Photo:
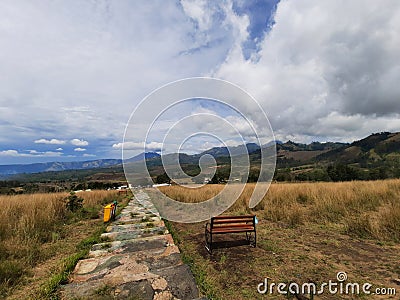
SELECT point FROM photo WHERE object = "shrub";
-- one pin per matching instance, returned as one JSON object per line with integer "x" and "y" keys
{"x": 73, "y": 202}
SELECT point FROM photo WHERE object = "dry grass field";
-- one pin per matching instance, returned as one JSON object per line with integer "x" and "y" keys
{"x": 37, "y": 231}
{"x": 307, "y": 233}
{"x": 362, "y": 208}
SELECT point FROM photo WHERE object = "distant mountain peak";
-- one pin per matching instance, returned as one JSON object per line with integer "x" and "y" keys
{"x": 57, "y": 166}
{"x": 233, "y": 150}
{"x": 143, "y": 156}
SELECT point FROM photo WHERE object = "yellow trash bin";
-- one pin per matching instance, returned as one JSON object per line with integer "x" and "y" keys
{"x": 108, "y": 209}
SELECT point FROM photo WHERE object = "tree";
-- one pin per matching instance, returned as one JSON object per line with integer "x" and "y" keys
{"x": 340, "y": 172}
{"x": 163, "y": 178}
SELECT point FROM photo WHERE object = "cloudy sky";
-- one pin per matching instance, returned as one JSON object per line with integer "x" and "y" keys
{"x": 71, "y": 72}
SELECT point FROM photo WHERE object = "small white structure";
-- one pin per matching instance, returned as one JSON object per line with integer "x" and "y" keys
{"x": 161, "y": 184}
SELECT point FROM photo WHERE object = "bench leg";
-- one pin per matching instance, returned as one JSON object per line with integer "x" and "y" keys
{"x": 251, "y": 238}
{"x": 208, "y": 238}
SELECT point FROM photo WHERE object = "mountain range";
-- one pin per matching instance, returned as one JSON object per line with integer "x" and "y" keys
{"x": 377, "y": 150}
{"x": 63, "y": 166}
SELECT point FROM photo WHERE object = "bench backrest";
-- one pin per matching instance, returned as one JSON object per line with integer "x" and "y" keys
{"x": 232, "y": 220}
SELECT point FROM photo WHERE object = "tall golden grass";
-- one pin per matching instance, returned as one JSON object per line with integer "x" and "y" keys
{"x": 369, "y": 209}
{"x": 29, "y": 221}
{"x": 32, "y": 216}
{"x": 27, "y": 217}
{"x": 97, "y": 197}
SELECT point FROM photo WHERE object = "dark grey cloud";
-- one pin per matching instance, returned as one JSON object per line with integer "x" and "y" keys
{"x": 327, "y": 69}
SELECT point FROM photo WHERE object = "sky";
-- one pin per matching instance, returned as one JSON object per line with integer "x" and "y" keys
{"x": 72, "y": 72}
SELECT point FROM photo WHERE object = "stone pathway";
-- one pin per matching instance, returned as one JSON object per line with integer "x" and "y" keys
{"x": 140, "y": 261}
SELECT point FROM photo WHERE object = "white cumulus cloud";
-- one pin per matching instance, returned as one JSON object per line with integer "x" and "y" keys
{"x": 30, "y": 153}
{"x": 50, "y": 142}
{"x": 152, "y": 146}
{"x": 78, "y": 142}
{"x": 9, "y": 153}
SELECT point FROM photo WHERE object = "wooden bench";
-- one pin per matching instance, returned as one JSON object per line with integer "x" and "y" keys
{"x": 231, "y": 224}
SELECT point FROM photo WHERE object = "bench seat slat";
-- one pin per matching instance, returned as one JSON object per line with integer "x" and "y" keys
{"x": 232, "y": 221}
{"x": 242, "y": 229}
{"x": 231, "y": 230}
{"x": 233, "y": 217}
{"x": 234, "y": 225}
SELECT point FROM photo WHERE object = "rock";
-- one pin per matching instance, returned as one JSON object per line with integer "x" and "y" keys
{"x": 159, "y": 284}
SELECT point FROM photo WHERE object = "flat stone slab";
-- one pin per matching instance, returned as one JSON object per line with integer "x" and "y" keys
{"x": 121, "y": 268}
{"x": 134, "y": 226}
{"x": 128, "y": 219}
{"x": 148, "y": 289}
{"x": 140, "y": 261}
{"x": 134, "y": 233}
{"x": 157, "y": 243}
{"x": 180, "y": 280}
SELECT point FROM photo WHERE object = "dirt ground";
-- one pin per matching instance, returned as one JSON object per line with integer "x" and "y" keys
{"x": 309, "y": 253}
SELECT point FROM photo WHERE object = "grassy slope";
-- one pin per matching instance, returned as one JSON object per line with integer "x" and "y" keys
{"x": 41, "y": 240}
